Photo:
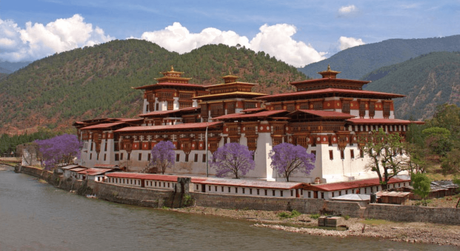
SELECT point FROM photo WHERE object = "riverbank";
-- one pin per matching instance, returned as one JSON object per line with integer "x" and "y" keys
{"x": 416, "y": 232}
{"x": 413, "y": 232}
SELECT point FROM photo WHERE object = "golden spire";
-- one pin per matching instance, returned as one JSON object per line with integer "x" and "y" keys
{"x": 172, "y": 68}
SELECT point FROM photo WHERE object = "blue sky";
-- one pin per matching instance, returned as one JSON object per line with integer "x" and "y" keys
{"x": 297, "y": 32}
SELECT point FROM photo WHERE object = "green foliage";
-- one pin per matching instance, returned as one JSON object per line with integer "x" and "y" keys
{"x": 421, "y": 184}
{"x": 315, "y": 216}
{"x": 292, "y": 214}
{"x": 96, "y": 81}
{"x": 187, "y": 200}
{"x": 357, "y": 61}
{"x": 427, "y": 81}
{"x": 384, "y": 151}
{"x": 9, "y": 143}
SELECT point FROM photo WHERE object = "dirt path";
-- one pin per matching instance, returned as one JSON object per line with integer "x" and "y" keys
{"x": 396, "y": 231}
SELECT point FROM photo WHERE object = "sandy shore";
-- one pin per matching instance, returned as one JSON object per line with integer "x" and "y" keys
{"x": 396, "y": 231}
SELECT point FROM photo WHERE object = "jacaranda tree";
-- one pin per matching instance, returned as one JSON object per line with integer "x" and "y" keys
{"x": 59, "y": 150}
{"x": 232, "y": 159}
{"x": 163, "y": 155}
{"x": 288, "y": 159}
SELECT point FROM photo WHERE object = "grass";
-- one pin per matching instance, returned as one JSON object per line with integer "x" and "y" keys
{"x": 375, "y": 222}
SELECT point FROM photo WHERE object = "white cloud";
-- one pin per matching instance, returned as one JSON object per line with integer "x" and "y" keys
{"x": 275, "y": 40}
{"x": 348, "y": 42}
{"x": 179, "y": 39}
{"x": 36, "y": 41}
{"x": 346, "y": 11}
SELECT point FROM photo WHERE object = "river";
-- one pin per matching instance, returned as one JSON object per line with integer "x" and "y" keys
{"x": 37, "y": 216}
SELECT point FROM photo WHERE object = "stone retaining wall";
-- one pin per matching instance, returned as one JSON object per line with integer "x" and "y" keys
{"x": 306, "y": 206}
{"x": 159, "y": 198}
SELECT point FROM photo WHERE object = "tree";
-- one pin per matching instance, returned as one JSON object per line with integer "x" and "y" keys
{"x": 163, "y": 155}
{"x": 385, "y": 153}
{"x": 422, "y": 187}
{"x": 59, "y": 150}
{"x": 288, "y": 159}
{"x": 232, "y": 159}
{"x": 451, "y": 162}
{"x": 438, "y": 140}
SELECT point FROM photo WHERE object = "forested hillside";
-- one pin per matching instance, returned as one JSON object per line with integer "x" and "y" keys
{"x": 427, "y": 81}
{"x": 96, "y": 81}
{"x": 357, "y": 61}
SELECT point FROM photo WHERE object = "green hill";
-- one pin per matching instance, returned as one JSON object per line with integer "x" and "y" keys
{"x": 357, "y": 61}
{"x": 427, "y": 81}
{"x": 96, "y": 81}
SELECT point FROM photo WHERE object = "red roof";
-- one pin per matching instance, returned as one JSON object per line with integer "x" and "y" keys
{"x": 143, "y": 176}
{"x": 169, "y": 127}
{"x": 325, "y": 114}
{"x": 168, "y": 111}
{"x": 349, "y": 184}
{"x": 253, "y": 110}
{"x": 251, "y": 115}
{"x": 166, "y": 84}
{"x": 94, "y": 171}
{"x": 316, "y": 80}
{"x": 379, "y": 121}
{"x": 248, "y": 183}
{"x": 332, "y": 90}
{"x": 109, "y": 166}
{"x": 102, "y": 126}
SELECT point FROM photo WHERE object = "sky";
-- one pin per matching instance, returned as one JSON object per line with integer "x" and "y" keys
{"x": 298, "y": 32}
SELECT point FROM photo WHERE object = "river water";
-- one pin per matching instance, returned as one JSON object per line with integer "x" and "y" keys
{"x": 37, "y": 216}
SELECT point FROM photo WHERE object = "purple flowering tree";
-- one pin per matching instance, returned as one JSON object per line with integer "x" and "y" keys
{"x": 232, "y": 159}
{"x": 288, "y": 159}
{"x": 163, "y": 155}
{"x": 59, "y": 150}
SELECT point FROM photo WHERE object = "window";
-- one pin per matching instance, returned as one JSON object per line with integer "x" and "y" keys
{"x": 177, "y": 157}
{"x": 90, "y": 156}
{"x": 236, "y": 189}
{"x": 318, "y": 105}
{"x": 352, "y": 153}
{"x": 331, "y": 155}
{"x": 386, "y": 110}
{"x": 229, "y": 189}
{"x": 170, "y": 105}
{"x": 346, "y": 107}
{"x": 149, "y": 156}
{"x": 204, "y": 158}
{"x": 243, "y": 190}
{"x": 273, "y": 192}
{"x": 258, "y": 192}
{"x": 105, "y": 157}
{"x": 266, "y": 192}
{"x": 121, "y": 156}
{"x": 250, "y": 190}
{"x": 129, "y": 156}
{"x": 117, "y": 157}
{"x": 313, "y": 152}
{"x": 362, "y": 109}
{"x": 281, "y": 193}
{"x": 186, "y": 157}
{"x": 139, "y": 157}
{"x": 342, "y": 154}
{"x": 371, "y": 109}
{"x": 105, "y": 146}
{"x": 361, "y": 153}
{"x": 196, "y": 157}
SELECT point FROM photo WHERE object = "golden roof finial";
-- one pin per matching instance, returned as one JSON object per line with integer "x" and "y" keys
{"x": 328, "y": 67}
{"x": 172, "y": 68}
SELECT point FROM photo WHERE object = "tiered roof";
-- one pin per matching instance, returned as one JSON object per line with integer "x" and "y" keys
{"x": 172, "y": 79}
